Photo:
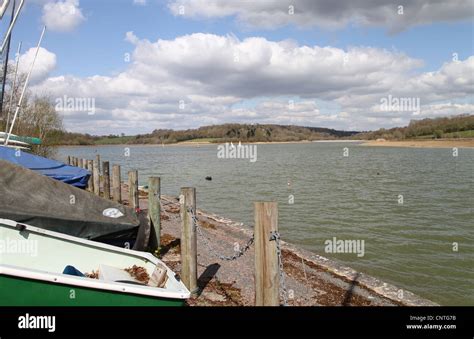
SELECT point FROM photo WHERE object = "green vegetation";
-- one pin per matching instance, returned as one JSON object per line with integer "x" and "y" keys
{"x": 78, "y": 139}
{"x": 461, "y": 134}
{"x": 215, "y": 134}
{"x": 113, "y": 140}
{"x": 38, "y": 119}
{"x": 460, "y": 126}
{"x": 37, "y": 116}
{"x": 242, "y": 132}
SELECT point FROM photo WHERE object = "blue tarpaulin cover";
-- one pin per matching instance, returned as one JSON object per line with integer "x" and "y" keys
{"x": 54, "y": 169}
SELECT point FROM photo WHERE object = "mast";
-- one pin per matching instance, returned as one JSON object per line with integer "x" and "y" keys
{"x": 10, "y": 102}
{"x": 3, "y": 8}
{"x": 24, "y": 87}
{"x": 5, "y": 64}
{"x": 9, "y": 31}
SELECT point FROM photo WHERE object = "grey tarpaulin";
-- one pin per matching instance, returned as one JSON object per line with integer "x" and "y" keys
{"x": 29, "y": 197}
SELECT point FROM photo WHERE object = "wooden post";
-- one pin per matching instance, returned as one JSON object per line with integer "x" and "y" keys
{"x": 133, "y": 189}
{"x": 267, "y": 278}
{"x": 96, "y": 175}
{"x": 99, "y": 169}
{"x": 75, "y": 161}
{"x": 81, "y": 163}
{"x": 90, "y": 183}
{"x": 84, "y": 163}
{"x": 116, "y": 184}
{"x": 188, "y": 239}
{"x": 106, "y": 176}
{"x": 154, "y": 212}
{"x": 68, "y": 160}
{"x": 97, "y": 158}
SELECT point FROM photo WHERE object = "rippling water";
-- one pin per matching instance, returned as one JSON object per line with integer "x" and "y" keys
{"x": 354, "y": 197}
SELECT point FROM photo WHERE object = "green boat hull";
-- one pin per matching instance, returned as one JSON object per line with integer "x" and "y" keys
{"x": 15, "y": 291}
{"x": 29, "y": 140}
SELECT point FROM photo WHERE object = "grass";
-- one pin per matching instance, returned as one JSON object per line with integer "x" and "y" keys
{"x": 113, "y": 141}
{"x": 462, "y": 134}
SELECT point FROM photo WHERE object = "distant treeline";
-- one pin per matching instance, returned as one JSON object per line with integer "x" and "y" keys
{"x": 460, "y": 126}
{"x": 244, "y": 133}
{"x": 215, "y": 133}
{"x": 61, "y": 137}
{"x": 449, "y": 127}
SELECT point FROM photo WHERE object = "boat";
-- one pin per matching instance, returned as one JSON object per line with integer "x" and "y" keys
{"x": 8, "y": 138}
{"x": 19, "y": 139}
{"x": 16, "y": 144}
{"x": 45, "y": 268}
{"x": 30, "y": 197}
{"x": 57, "y": 170}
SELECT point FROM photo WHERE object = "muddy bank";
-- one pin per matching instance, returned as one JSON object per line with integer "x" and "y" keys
{"x": 442, "y": 143}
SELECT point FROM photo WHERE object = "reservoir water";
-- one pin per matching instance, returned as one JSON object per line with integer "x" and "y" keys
{"x": 413, "y": 207}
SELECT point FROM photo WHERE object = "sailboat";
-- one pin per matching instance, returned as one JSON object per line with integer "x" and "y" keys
{"x": 7, "y": 138}
{"x": 20, "y": 142}
{"x": 14, "y": 143}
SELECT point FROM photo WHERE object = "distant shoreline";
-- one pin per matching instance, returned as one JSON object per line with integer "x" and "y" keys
{"x": 437, "y": 143}
{"x": 440, "y": 143}
{"x": 204, "y": 143}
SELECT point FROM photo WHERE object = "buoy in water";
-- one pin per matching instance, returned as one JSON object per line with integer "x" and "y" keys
{"x": 209, "y": 178}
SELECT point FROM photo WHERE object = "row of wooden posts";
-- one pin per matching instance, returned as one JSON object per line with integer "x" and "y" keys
{"x": 267, "y": 277}
{"x": 267, "y": 274}
{"x": 103, "y": 184}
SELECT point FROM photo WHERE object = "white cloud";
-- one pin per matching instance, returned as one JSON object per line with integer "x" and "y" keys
{"x": 62, "y": 16}
{"x": 445, "y": 109}
{"x": 221, "y": 79}
{"x": 454, "y": 78}
{"x": 222, "y": 65}
{"x": 44, "y": 64}
{"x": 328, "y": 14}
{"x": 131, "y": 37}
{"x": 139, "y": 2}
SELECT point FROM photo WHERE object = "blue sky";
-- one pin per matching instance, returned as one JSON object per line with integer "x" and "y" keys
{"x": 97, "y": 46}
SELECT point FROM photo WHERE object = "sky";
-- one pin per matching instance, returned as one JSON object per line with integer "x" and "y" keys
{"x": 155, "y": 64}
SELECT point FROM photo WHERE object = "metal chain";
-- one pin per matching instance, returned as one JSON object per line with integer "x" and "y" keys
{"x": 275, "y": 236}
{"x": 207, "y": 242}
